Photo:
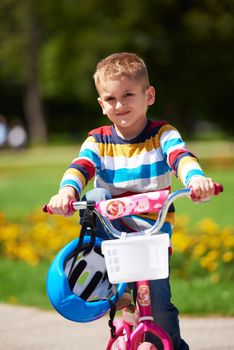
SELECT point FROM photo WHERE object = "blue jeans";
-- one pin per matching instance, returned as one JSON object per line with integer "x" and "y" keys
{"x": 164, "y": 312}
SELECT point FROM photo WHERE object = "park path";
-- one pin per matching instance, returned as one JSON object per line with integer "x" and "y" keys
{"x": 27, "y": 328}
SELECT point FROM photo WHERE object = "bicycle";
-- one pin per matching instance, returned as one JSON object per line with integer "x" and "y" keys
{"x": 154, "y": 248}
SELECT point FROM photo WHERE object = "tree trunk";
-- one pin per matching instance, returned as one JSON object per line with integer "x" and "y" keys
{"x": 33, "y": 106}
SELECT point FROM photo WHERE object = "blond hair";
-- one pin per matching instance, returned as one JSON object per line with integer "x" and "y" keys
{"x": 121, "y": 64}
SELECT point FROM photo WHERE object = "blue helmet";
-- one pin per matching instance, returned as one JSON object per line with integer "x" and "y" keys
{"x": 88, "y": 293}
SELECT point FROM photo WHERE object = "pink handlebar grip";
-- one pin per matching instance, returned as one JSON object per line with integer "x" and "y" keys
{"x": 48, "y": 210}
{"x": 71, "y": 208}
{"x": 218, "y": 188}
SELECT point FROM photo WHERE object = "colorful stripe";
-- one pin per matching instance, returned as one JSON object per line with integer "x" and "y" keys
{"x": 142, "y": 164}
{"x": 187, "y": 168}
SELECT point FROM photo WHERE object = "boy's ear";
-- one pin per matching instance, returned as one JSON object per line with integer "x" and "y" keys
{"x": 101, "y": 104}
{"x": 150, "y": 95}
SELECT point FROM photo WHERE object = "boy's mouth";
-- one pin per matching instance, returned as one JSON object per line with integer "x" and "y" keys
{"x": 123, "y": 113}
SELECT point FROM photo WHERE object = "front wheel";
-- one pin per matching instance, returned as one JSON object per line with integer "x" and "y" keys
{"x": 146, "y": 346}
{"x": 119, "y": 344}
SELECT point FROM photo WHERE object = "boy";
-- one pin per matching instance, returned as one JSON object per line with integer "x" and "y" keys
{"x": 133, "y": 155}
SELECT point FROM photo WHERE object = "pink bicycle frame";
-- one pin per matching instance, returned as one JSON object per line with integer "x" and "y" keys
{"x": 131, "y": 205}
{"x": 136, "y": 337}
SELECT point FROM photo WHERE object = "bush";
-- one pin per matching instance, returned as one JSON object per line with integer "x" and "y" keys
{"x": 209, "y": 250}
{"x": 39, "y": 237}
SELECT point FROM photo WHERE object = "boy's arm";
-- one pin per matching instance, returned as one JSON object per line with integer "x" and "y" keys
{"x": 79, "y": 172}
{"x": 191, "y": 174}
{"x": 83, "y": 168}
{"x": 185, "y": 164}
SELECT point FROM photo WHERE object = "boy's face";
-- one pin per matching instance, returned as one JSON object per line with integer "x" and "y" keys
{"x": 125, "y": 102}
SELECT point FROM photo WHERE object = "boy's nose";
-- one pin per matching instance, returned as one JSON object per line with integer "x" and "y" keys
{"x": 118, "y": 105}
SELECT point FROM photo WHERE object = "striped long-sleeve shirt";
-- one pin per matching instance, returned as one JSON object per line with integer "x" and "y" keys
{"x": 139, "y": 165}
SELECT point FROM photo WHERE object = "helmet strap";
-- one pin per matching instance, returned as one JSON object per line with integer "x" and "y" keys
{"x": 89, "y": 220}
{"x": 88, "y": 228}
{"x": 111, "y": 320}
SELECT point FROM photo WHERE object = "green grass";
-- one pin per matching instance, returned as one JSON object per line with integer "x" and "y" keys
{"x": 219, "y": 208}
{"x": 26, "y": 188}
{"x": 29, "y": 178}
{"x": 200, "y": 296}
{"x": 25, "y": 284}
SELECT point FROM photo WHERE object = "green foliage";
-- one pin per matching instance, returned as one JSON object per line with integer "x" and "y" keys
{"x": 188, "y": 47}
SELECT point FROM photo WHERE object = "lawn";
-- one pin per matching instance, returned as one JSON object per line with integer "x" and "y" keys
{"x": 29, "y": 178}
{"x": 219, "y": 208}
{"x": 25, "y": 284}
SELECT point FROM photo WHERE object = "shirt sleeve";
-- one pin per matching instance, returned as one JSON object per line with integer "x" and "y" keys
{"x": 184, "y": 163}
{"x": 83, "y": 168}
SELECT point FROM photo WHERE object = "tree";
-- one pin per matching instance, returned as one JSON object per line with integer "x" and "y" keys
{"x": 22, "y": 27}
{"x": 53, "y": 47}
{"x": 188, "y": 47}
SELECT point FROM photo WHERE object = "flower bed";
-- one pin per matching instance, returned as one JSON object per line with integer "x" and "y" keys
{"x": 206, "y": 250}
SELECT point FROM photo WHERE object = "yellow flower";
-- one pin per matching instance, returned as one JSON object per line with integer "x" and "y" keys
{"x": 212, "y": 255}
{"x": 208, "y": 226}
{"x": 27, "y": 253}
{"x": 212, "y": 266}
{"x": 215, "y": 242}
{"x": 10, "y": 249}
{"x": 229, "y": 241}
{"x": 228, "y": 256}
{"x": 10, "y": 232}
{"x": 181, "y": 241}
{"x": 204, "y": 262}
{"x": 199, "y": 249}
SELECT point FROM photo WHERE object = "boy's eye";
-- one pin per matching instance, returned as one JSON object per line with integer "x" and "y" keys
{"x": 128, "y": 94}
{"x": 108, "y": 99}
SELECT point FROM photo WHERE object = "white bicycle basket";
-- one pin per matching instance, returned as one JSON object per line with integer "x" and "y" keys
{"x": 137, "y": 258}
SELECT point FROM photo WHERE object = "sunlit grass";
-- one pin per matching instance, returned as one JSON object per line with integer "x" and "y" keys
{"x": 25, "y": 284}
{"x": 199, "y": 296}
{"x": 29, "y": 178}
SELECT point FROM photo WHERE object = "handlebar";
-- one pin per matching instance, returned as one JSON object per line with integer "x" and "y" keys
{"x": 186, "y": 192}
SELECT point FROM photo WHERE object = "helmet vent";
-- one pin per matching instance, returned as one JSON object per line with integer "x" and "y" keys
{"x": 92, "y": 285}
{"x": 76, "y": 273}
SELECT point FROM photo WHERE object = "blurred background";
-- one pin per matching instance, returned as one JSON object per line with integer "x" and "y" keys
{"x": 49, "y": 50}
{"x": 48, "y": 53}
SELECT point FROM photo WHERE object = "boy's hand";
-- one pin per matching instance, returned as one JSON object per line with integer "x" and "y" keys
{"x": 203, "y": 188}
{"x": 59, "y": 204}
